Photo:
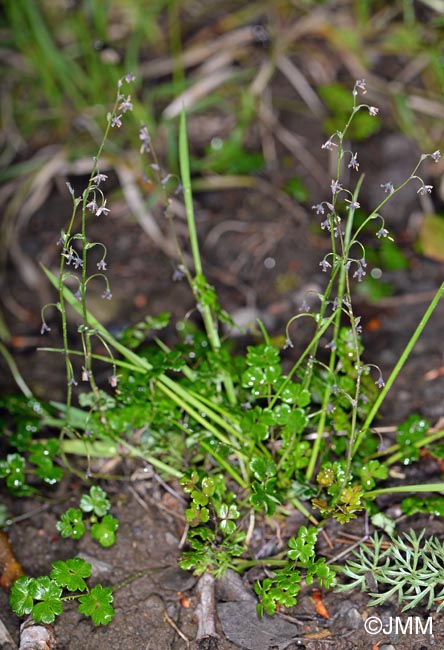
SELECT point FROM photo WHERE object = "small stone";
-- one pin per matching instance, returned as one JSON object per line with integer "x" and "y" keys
{"x": 242, "y": 626}
{"x": 231, "y": 588}
{"x": 352, "y": 619}
{"x": 99, "y": 568}
{"x": 171, "y": 539}
{"x": 176, "y": 580}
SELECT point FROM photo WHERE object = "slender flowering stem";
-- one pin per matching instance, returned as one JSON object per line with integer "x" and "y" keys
{"x": 398, "y": 367}
{"x": 207, "y": 315}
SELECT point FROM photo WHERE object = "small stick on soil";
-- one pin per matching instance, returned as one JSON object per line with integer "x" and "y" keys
{"x": 36, "y": 636}
{"x": 207, "y": 638}
{"x": 170, "y": 621}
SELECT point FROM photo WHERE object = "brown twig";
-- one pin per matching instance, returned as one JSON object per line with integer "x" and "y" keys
{"x": 207, "y": 638}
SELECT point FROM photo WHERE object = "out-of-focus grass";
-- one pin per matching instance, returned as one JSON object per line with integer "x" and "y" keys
{"x": 248, "y": 73}
{"x": 63, "y": 57}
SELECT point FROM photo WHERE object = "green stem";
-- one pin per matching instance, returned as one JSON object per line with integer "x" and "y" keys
{"x": 207, "y": 314}
{"x": 99, "y": 357}
{"x": 397, "y": 369}
{"x": 110, "y": 449}
{"x": 423, "y": 487}
{"x": 397, "y": 455}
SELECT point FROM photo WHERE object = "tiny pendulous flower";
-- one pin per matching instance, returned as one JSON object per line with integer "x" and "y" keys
{"x": 92, "y": 206}
{"x": 387, "y": 187}
{"x": 126, "y": 105}
{"x": 116, "y": 121}
{"x": 325, "y": 265}
{"x": 353, "y": 164}
{"x": 335, "y": 187}
{"x": 425, "y": 189}
{"x": 380, "y": 382}
{"x": 319, "y": 208}
{"x": 98, "y": 178}
{"x": 102, "y": 210}
{"x": 101, "y": 265}
{"x": 329, "y": 145}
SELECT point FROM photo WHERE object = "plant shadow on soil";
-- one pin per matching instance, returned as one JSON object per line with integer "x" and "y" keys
{"x": 149, "y": 608}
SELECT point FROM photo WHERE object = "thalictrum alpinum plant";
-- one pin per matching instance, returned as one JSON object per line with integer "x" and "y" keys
{"x": 245, "y": 438}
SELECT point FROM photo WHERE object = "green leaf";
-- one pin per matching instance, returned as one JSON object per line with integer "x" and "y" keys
{"x": 208, "y": 486}
{"x": 370, "y": 472}
{"x": 104, "y": 531}
{"x": 20, "y": 598}
{"x": 303, "y": 546}
{"x": 264, "y": 498}
{"x": 96, "y": 501}
{"x": 433, "y": 505}
{"x": 71, "y": 524}
{"x": 97, "y": 605}
{"x": 262, "y": 468}
{"x": 71, "y": 573}
{"x": 49, "y": 593}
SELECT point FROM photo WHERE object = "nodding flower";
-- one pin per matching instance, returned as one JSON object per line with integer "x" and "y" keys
{"x": 425, "y": 189}
{"x": 101, "y": 265}
{"x": 102, "y": 209}
{"x": 325, "y": 265}
{"x": 387, "y": 187}
{"x": 380, "y": 382}
{"x": 329, "y": 145}
{"x": 335, "y": 186}
{"x": 353, "y": 164}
